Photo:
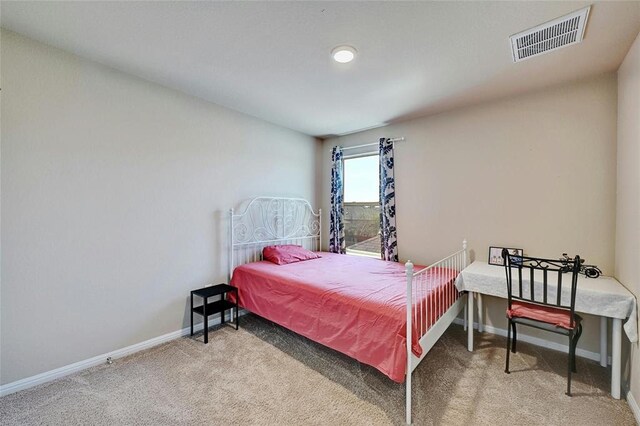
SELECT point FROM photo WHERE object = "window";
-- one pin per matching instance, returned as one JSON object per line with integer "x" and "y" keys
{"x": 362, "y": 205}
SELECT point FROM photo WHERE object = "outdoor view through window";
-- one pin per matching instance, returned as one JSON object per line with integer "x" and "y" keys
{"x": 362, "y": 205}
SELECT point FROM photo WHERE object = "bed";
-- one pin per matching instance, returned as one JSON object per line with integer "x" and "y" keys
{"x": 384, "y": 314}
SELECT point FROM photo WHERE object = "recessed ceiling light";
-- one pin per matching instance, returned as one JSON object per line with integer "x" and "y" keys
{"x": 343, "y": 54}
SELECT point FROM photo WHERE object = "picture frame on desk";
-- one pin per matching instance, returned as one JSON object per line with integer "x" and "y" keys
{"x": 495, "y": 254}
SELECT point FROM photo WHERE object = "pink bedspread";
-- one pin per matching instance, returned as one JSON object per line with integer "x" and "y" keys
{"x": 355, "y": 305}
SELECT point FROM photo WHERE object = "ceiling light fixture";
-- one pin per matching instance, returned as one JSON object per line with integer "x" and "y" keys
{"x": 343, "y": 54}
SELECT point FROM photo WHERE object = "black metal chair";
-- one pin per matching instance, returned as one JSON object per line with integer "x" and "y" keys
{"x": 538, "y": 310}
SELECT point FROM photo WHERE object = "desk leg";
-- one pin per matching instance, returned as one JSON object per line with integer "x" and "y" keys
{"x": 466, "y": 306}
{"x": 470, "y": 318}
{"x": 480, "y": 313}
{"x": 616, "y": 351}
{"x": 603, "y": 341}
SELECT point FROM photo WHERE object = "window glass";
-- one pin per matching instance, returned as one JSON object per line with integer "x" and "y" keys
{"x": 362, "y": 205}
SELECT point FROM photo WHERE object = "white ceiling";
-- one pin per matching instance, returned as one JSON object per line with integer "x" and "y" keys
{"x": 272, "y": 59}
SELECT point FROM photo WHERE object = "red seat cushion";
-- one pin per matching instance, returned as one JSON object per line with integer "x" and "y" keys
{"x": 555, "y": 316}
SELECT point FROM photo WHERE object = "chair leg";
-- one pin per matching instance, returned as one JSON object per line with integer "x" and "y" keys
{"x": 515, "y": 337}
{"x": 506, "y": 370}
{"x": 575, "y": 344}
{"x": 570, "y": 363}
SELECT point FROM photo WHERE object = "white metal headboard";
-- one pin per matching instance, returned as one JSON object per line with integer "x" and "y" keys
{"x": 270, "y": 221}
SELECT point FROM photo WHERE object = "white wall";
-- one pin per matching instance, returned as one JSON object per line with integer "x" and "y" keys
{"x": 627, "y": 265}
{"x": 536, "y": 171}
{"x": 114, "y": 199}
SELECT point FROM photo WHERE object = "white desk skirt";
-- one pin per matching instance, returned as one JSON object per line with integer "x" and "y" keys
{"x": 603, "y": 296}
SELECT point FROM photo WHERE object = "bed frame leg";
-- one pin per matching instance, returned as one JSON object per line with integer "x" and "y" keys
{"x": 408, "y": 397}
{"x": 409, "y": 271}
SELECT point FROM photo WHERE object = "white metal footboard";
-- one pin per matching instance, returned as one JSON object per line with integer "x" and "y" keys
{"x": 433, "y": 302}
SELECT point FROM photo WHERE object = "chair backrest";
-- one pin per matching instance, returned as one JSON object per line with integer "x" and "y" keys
{"x": 524, "y": 268}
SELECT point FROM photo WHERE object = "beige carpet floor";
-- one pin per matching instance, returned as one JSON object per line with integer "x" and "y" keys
{"x": 266, "y": 375}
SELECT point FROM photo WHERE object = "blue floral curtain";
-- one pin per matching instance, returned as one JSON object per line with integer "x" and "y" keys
{"x": 336, "y": 225}
{"x": 388, "y": 236}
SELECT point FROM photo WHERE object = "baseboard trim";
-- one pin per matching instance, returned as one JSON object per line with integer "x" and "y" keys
{"x": 634, "y": 406}
{"x": 66, "y": 370}
{"x": 594, "y": 356}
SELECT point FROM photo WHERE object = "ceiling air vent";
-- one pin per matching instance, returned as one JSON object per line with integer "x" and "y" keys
{"x": 553, "y": 35}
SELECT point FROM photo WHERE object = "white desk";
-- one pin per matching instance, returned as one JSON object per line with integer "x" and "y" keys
{"x": 603, "y": 296}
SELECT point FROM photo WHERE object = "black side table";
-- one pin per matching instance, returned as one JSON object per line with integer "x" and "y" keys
{"x": 210, "y": 308}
